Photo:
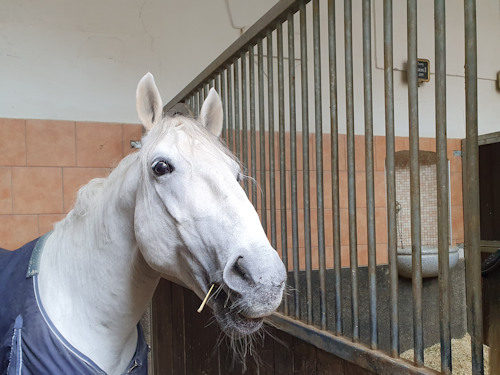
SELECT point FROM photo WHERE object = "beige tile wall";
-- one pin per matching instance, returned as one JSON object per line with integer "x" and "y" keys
{"x": 44, "y": 162}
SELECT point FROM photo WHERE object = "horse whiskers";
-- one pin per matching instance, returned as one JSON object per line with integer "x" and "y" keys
{"x": 289, "y": 290}
{"x": 227, "y": 299}
{"x": 219, "y": 289}
{"x": 265, "y": 331}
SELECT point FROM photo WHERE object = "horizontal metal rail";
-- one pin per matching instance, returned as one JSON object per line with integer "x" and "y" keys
{"x": 372, "y": 360}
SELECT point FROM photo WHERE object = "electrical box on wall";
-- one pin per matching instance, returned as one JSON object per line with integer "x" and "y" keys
{"x": 423, "y": 70}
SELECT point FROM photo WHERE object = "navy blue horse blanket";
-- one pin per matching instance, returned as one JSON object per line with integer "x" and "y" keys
{"x": 30, "y": 344}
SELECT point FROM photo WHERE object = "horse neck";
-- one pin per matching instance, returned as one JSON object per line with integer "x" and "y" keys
{"x": 92, "y": 273}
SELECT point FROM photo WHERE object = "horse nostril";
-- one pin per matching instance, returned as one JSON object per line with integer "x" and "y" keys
{"x": 277, "y": 284}
{"x": 241, "y": 271}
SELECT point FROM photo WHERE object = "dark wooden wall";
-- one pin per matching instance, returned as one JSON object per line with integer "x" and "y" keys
{"x": 489, "y": 186}
{"x": 186, "y": 342}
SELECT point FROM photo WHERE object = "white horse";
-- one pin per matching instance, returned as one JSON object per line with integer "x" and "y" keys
{"x": 174, "y": 209}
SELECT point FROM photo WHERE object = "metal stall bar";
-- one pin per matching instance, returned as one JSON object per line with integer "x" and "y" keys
{"x": 351, "y": 169}
{"x": 319, "y": 163}
{"x": 262, "y": 133}
{"x": 472, "y": 249}
{"x": 415, "y": 184}
{"x": 236, "y": 87}
{"x": 196, "y": 107}
{"x": 391, "y": 176}
{"x": 230, "y": 108}
{"x": 442, "y": 186}
{"x": 253, "y": 136}
{"x": 270, "y": 111}
{"x": 200, "y": 99}
{"x": 370, "y": 189}
{"x": 293, "y": 162}
{"x": 305, "y": 150}
{"x": 221, "y": 88}
{"x": 244, "y": 116}
{"x": 282, "y": 154}
{"x": 334, "y": 138}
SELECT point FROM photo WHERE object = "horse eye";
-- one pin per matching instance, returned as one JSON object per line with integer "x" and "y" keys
{"x": 161, "y": 167}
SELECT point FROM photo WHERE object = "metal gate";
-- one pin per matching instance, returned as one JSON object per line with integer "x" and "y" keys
{"x": 308, "y": 163}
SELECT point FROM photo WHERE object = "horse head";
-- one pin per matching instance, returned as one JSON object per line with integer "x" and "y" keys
{"x": 193, "y": 221}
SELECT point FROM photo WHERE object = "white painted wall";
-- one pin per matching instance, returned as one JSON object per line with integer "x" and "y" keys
{"x": 81, "y": 60}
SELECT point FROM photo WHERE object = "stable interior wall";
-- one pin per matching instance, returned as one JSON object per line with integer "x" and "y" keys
{"x": 43, "y": 163}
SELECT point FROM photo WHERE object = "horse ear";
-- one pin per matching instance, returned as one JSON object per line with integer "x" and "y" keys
{"x": 211, "y": 114}
{"x": 148, "y": 102}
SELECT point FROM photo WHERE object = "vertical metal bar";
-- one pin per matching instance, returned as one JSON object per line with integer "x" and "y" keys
{"x": 220, "y": 86}
{"x": 293, "y": 161}
{"x": 473, "y": 254}
{"x": 370, "y": 189}
{"x": 270, "y": 105}
{"x": 442, "y": 186}
{"x": 216, "y": 83}
{"x": 415, "y": 183}
{"x": 262, "y": 134}
{"x": 253, "y": 151}
{"x": 334, "y": 138}
{"x": 236, "y": 75}
{"x": 305, "y": 149}
{"x": 203, "y": 94}
{"x": 281, "y": 119}
{"x": 196, "y": 100}
{"x": 391, "y": 176}
{"x": 351, "y": 169}
{"x": 230, "y": 108}
{"x": 244, "y": 116}
{"x": 319, "y": 163}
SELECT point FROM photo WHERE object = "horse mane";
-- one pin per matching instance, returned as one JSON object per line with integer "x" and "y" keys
{"x": 93, "y": 199}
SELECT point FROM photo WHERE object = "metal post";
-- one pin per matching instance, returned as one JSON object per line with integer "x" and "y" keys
{"x": 319, "y": 164}
{"x": 270, "y": 105}
{"x": 253, "y": 147}
{"x": 236, "y": 75}
{"x": 390, "y": 175}
{"x": 415, "y": 183}
{"x": 293, "y": 162}
{"x": 244, "y": 117}
{"x": 281, "y": 126}
{"x": 442, "y": 186}
{"x": 230, "y": 108}
{"x": 305, "y": 149}
{"x": 351, "y": 169}
{"x": 370, "y": 190}
{"x": 472, "y": 249}
{"x": 334, "y": 138}
{"x": 262, "y": 134}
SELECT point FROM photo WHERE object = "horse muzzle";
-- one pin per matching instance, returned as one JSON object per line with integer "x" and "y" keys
{"x": 251, "y": 289}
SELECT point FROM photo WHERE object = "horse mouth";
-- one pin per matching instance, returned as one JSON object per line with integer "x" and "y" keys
{"x": 230, "y": 314}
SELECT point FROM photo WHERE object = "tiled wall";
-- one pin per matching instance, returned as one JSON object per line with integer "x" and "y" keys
{"x": 42, "y": 165}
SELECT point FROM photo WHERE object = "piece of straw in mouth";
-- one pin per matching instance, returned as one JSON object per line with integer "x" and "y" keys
{"x": 206, "y": 299}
